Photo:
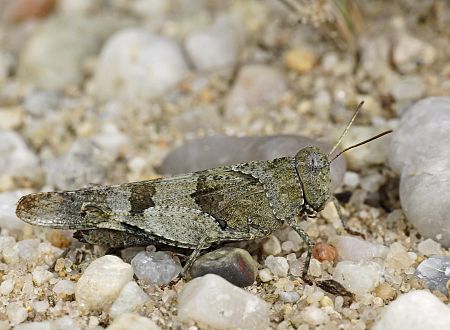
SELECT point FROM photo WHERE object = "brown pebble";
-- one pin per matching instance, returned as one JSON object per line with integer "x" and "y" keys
{"x": 385, "y": 291}
{"x": 324, "y": 252}
{"x": 20, "y": 10}
{"x": 58, "y": 238}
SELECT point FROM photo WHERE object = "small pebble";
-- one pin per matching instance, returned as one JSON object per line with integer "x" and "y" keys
{"x": 315, "y": 316}
{"x": 130, "y": 298}
{"x": 289, "y": 296}
{"x": 271, "y": 246}
{"x": 358, "y": 278}
{"x": 299, "y": 60}
{"x": 356, "y": 249}
{"x": 41, "y": 276}
{"x": 435, "y": 271}
{"x": 385, "y": 291}
{"x": 277, "y": 265}
{"x": 429, "y": 247}
{"x": 409, "y": 88}
{"x": 398, "y": 257}
{"x": 415, "y": 310}
{"x": 101, "y": 282}
{"x": 16, "y": 313}
{"x": 7, "y": 286}
{"x": 324, "y": 252}
{"x": 213, "y": 301}
{"x": 264, "y": 275}
{"x": 351, "y": 179}
{"x": 41, "y": 306}
{"x": 64, "y": 288}
{"x": 156, "y": 267}
{"x": 21, "y": 10}
{"x": 410, "y": 53}
{"x": 131, "y": 321}
{"x": 235, "y": 265}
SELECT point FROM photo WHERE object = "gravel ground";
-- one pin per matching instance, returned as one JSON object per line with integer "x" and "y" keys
{"x": 100, "y": 92}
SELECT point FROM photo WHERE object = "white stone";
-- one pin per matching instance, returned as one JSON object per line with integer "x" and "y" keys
{"x": 213, "y": 301}
{"x": 289, "y": 296}
{"x": 277, "y": 265}
{"x": 64, "y": 288}
{"x": 43, "y": 325}
{"x": 136, "y": 66}
{"x": 16, "y": 313}
{"x": 411, "y": 53}
{"x": 315, "y": 316}
{"x": 130, "y": 321}
{"x": 356, "y": 249}
{"x": 415, "y": 310}
{"x": 424, "y": 170}
{"x": 351, "y": 179}
{"x": 272, "y": 245}
{"x": 8, "y": 202}
{"x": 408, "y": 88}
{"x": 17, "y": 159}
{"x": 429, "y": 247}
{"x": 216, "y": 47}
{"x": 101, "y": 282}
{"x": 359, "y": 278}
{"x": 156, "y": 267}
{"x": 256, "y": 86}
{"x": 130, "y": 298}
{"x": 41, "y": 306}
{"x": 265, "y": 275}
{"x": 398, "y": 257}
{"x": 41, "y": 276}
{"x": 7, "y": 286}
{"x": 25, "y": 250}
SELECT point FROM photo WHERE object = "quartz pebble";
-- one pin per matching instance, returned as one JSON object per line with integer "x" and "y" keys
{"x": 415, "y": 310}
{"x": 289, "y": 296}
{"x": 398, "y": 257}
{"x": 272, "y": 245}
{"x": 424, "y": 170}
{"x": 264, "y": 275}
{"x": 410, "y": 53}
{"x": 220, "y": 150}
{"x": 324, "y": 252}
{"x": 64, "y": 288}
{"x": 358, "y": 278}
{"x": 429, "y": 247}
{"x": 101, "y": 282}
{"x": 435, "y": 271}
{"x": 16, "y": 313}
{"x": 131, "y": 321}
{"x": 277, "y": 265}
{"x": 314, "y": 316}
{"x": 235, "y": 265}
{"x": 353, "y": 248}
{"x": 256, "y": 86}
{"x": 8, "y": 201}
{"x": 217, "y": 47}
{"x": 130, "y": 298}
{"x": 156, "y": 267}
{"x": 213, "y": 301}
{"x": 136, "y": 66}
{"x": 25, "y": 250}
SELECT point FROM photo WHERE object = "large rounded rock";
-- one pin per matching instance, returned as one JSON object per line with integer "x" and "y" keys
{"x": 420, "y": 153}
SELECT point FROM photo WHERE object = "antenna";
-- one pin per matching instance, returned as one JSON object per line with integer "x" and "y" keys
{"x": 361, "y": 143}
{"x": 358, "y": 109}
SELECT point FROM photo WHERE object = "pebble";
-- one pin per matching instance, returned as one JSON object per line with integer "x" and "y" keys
{"x": 351, "y": 179}
{"x": 136, "y": 66}
{"x": 233, "y": 264}
{"x": 375, "y": 54}
{"x": 355, "y": 249}
{"x": 21, "y": 10}
{"x": 272, "y": 245}
{"x": 41, "y": 276}
{"x": 8, "y": 201}
{"x": 373, "y": 153}
{"x": 130, "y": 298}
{"x": 299, "y": 60}
{"x": 264, "y": 275}
{"x": 25, "y": 250}
{"x": 16, "y": 313}
{"x": 409, "y": 88}
{"x": 429, "y": 247}
{"x": 131, "y": 321}
{"x": 217, "y": 47}
{"x": 410, "y": 53}
{"x": 158, "y": 268}
{"x": 358, "y": 278}
{"x": 64, "y": 288}
{"x": 7, "y": 286}
{"x": 415, "y": 310}
{"x": 435, "y": 271}
{"x": 256, "y": 86}
{"x": 398, "y": 257}
{"x": 84, "y": 164}
{"x": 324, "y": 252}
{"x": 101, "y": 282}
{"x": 220, "y": 150}
{"x": 385, "y": 291}
{"x": 289, "y": 296}
{"x": 17, "y": 159}
{"x": 277, "y": 265}
{"x": 41, "y": 306}
{"x": 215, "y": 302}
{"x": 424, "y": 171}
{"x": 68, "y": 41}
{"x": 314, "y": 316}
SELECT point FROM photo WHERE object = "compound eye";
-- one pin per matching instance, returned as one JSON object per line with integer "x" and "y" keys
{"x": 315, "y": 162}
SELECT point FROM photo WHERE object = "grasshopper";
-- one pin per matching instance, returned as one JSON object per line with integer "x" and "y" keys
{"x": 231, "y": 203}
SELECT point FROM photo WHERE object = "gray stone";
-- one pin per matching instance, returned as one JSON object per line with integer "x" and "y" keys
{"x": 409, "y": 88}
{"x": 235, "y": 265}
{"x": 436, "y": 273}
{"x": 423, "y": 160}
{"x": 221, "y": 150}
{"x": 156, "y": 267}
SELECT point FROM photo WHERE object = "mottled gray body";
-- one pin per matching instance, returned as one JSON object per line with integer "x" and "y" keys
{"x": 231, "y": 203}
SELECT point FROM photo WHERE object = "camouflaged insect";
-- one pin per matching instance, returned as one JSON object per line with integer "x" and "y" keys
{"x": 231, "y": 203}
